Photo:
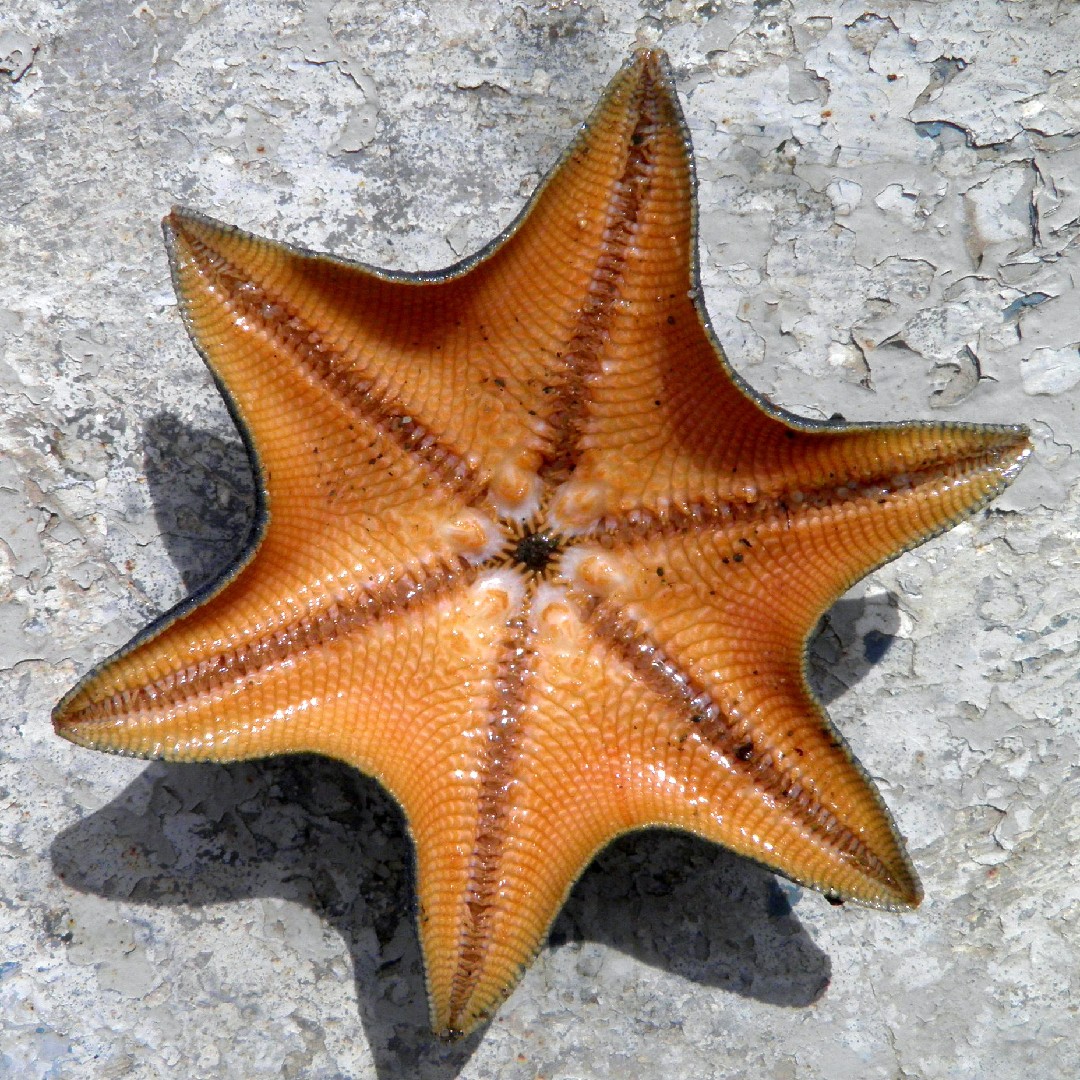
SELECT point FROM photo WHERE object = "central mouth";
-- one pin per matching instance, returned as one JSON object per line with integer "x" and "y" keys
{"x": 535, "y": 550}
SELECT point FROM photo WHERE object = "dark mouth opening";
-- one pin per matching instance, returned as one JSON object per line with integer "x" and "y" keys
{"x": 535, "y": 550}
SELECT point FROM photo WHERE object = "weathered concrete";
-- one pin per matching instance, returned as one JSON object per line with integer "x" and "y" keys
{"x": 890, "y": 201}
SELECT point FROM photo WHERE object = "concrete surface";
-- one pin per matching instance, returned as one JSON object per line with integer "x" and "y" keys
{"x": 890, "y": 201}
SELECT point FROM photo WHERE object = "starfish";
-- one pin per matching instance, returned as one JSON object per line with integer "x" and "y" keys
{"x": 530, "y": 553}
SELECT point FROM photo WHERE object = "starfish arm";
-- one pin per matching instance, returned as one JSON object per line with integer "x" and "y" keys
{"x": 557, "y": 786}
{"x": 658, "y": 418}
{"x": 489, "y": 885}
{"x": 366, "y": 505}
{"x": 729, "y": 595}
{"x": 585, "y": 248}
{"x": 409, "y": 360}
{"x": 654, "y": 406}
{"x": 372, "y": 687}
{"x": 761, "y": 772}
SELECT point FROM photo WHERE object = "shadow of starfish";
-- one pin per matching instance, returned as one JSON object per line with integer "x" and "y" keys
{"x": 203, "y": 495}
{"x": 304, "y": 829}
{"x": 317, "y": 832}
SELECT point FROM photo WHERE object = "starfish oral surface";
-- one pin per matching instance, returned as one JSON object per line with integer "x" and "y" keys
{"x": 530, "y": 553}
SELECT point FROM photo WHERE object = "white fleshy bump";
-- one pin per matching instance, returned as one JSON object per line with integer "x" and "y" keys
{"x": 515, "y": 484}
{"x": 474, "y": 535}
{"x": 578, "y": 506}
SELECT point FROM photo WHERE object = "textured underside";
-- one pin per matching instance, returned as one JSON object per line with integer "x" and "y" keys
{"x": 535, "y": 558}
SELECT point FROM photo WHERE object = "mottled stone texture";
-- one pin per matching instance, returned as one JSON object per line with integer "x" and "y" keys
{"x": 889, "y": 208}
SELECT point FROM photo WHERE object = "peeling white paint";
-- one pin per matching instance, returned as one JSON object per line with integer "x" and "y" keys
{"x": 889, "y": 213}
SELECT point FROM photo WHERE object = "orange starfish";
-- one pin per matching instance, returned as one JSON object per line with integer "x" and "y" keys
{"x": 532, "y": 555}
